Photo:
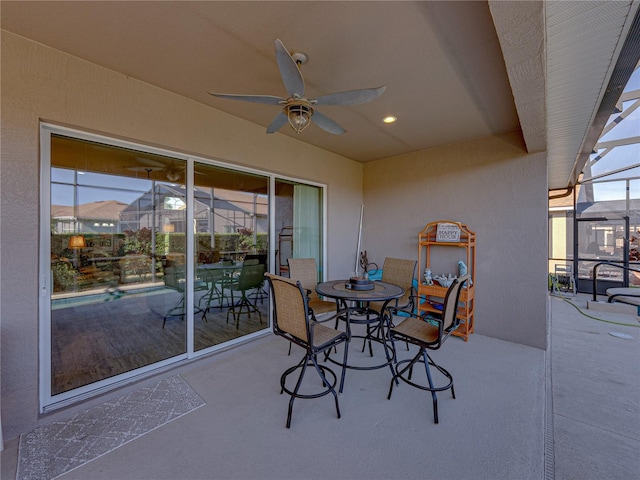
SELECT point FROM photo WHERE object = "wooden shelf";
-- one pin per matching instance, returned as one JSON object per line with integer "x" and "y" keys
{"x": 428, "y": 244}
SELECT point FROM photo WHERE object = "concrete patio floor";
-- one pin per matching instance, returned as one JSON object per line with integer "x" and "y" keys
{"x": 519, "y": 413}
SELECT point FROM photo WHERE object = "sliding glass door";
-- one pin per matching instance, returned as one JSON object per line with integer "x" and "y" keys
{"x": 150, "y": 257}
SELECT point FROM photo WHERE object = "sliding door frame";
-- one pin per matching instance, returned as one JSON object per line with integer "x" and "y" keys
{"x": 49, "y": 402}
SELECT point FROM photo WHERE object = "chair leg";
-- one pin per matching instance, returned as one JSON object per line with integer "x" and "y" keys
{"x": 179, "y": 306}
{"x": 329, "y": 386}
{"x": 344, "y": 365}
{"x": 398, "y": 374}
{"x": 326, "y": 383}
{"x": 237, "y": 310}
{"x": 445, "y": 373}
{"x": 434, "y": 397}
{"x": 295, "y": 390}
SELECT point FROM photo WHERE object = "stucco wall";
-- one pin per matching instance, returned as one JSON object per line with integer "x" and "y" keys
{"x": 490, "y": 184}
{"x": 39, "y": 83}
{"x": 499, "y": 191}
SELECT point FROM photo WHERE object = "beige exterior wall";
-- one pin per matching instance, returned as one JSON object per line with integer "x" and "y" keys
{"x": 39, "y": 83}
{"x": 499, "y": 191}
{"x": 491, "y": 184}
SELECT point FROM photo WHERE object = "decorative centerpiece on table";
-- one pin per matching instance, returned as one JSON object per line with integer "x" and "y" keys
{"x": 359, "y": 281}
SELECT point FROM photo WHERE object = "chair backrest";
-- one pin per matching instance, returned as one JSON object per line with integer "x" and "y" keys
{"x": 211, "y": 274}
{"x": 173, "y": 276}
{"x": 251, "y": 276}
{"x": 400, "y": 272}
{"x": 260, "y": 257}
{"x": 289, "y": 307}
{"x": 450, "y": 308}
{"x": 305, "y": 271}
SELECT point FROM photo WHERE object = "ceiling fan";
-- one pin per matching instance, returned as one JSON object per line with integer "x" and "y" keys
{"x": 172, "y": 172}
{"x": 297, "y": 109}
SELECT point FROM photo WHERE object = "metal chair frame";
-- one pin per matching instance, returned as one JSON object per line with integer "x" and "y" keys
{"x": 174, "y": 281}
{"x": 428, "y": 333}
{"x": 294, "y": 321}
{"x": 251, "y": 276}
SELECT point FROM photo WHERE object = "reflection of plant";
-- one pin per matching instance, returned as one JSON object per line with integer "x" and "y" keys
{"x": 246, "y": 239}
{"x": 138, "y": 242}
{"x": 63, "y": 274}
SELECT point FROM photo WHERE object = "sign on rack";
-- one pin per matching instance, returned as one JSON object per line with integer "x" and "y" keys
{"x": 448, "y": 232}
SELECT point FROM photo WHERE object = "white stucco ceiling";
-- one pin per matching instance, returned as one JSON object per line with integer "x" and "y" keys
{"x": 454, "y": 71}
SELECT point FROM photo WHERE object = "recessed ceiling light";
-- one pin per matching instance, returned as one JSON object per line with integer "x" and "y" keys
{"x": 389, "y": 119}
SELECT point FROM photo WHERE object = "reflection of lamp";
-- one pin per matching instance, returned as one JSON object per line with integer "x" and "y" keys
{"x": 77, "y": 241}
{"x": 169, "y": 228}
{"x": 299, "y": 114}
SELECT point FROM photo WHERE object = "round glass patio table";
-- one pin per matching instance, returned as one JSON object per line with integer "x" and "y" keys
{"x": 355, "y": 310}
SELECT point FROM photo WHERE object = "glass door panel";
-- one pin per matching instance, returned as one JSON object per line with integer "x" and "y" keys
{"x": 117, "y": 226}
{"x": 299, "y": 224}
{"x": 231, "y": 225}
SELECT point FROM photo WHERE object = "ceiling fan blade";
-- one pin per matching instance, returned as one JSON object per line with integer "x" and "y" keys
{"x": 289, "y": 71}
{"x": 267, "y": 99}
{"x": 145, "y": 169}
{"x": 148, "y": 161}
{"x": 327, "y": 124}
{"x": 351, "y": 97}
{"x": 277, "y": 123}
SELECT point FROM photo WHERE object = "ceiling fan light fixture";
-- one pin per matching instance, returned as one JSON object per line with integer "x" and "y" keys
{"x": 299, "y": 115}
{"x": 173, "y": 175}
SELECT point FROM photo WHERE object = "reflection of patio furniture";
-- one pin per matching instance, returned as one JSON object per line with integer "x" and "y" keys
{"x": 217, "y": 276}
{"x": 261, "y": 259}
{"x": 216, "y": 279}
{"x": 174, "y": 278}
{"x": 251, "y": 276}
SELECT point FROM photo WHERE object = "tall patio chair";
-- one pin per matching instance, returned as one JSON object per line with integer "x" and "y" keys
{"x": 305, "y": 271}
{"x": 254, "y": 259}
{"x": 251, "y": 277}
{"x": 217, "y": 280}
{"x": 428, "y": 333}
{"x": 295, "y": 321}
{"x": 174, "y": 278}
{"x": 400, "y": 272}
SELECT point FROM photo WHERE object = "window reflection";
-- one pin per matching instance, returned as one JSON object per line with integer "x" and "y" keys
{"x": 122, "y": 287}
{"x": 231, "y": 236}
{"x": 117, "y": 299}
